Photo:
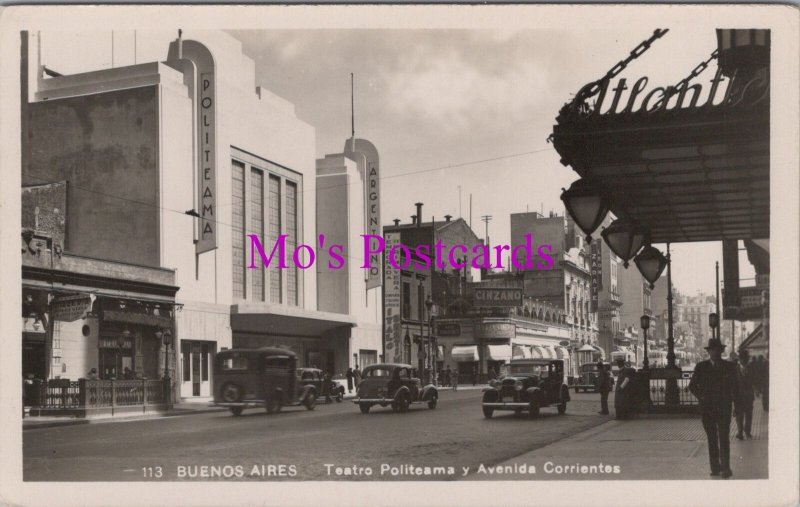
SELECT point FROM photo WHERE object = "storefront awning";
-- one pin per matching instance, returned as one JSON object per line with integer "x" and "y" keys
{"x": 563, "y": 352}
{"x": 521, "y": 352}
{"x": 536, "y": 351}
{"x": 464, "y": 353}
{"x": 600, "y": 351}
{"x": 499, "y": 352}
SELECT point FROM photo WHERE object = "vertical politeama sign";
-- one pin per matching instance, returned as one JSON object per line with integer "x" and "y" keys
{"x": 207, "y": 162}
{"x": 391, "y": 305}
{"x": 597, "y": 273}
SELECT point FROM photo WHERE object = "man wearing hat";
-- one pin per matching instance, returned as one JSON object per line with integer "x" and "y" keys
{"x": 715, "y": 384}
{"x": 604, "y": 386}
{"x": 623, "y": 396}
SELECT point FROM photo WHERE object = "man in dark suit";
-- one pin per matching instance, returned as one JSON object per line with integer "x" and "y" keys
{"x": 604, "y": 384}
{"x": 715, "y": 384}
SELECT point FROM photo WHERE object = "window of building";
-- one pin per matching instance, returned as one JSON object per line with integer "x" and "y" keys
{"x": 406, "y": 300}
{"x": 420, "y": 302}
{"x": 275, "y": 275}
{"x": 266, "y": 202}
{"x": 186, "y": 357}
{"x": 257, "y": 226}
{"x": 291, "y": 241}
{"x": 237, "y": 230}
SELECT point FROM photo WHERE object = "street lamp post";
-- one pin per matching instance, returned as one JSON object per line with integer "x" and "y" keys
{"x": 645, "y": 323}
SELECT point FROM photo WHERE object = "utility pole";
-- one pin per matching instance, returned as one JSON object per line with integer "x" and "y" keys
{"x": 486, "y": 219}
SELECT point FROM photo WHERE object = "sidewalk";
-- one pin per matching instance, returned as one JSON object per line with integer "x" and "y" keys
{"x": 179, "y": 409}
{"x": 652, "y": 447}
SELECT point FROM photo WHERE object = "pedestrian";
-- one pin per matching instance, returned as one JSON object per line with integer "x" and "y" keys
{"x": 623, "y": 395}
{"x": 92, "y": 375}
{"x": 356, "y": 376}
{"x": 349, "y": 376}
{"x": 744, "y": 403}
{"x": 448, "y": 373}
{"x": 604, "y": 386}
{"x": 455, "y": 380}
{"x": 715, "y": 384}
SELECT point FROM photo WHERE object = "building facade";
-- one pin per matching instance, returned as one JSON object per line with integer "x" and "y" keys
{"x": 196, "y": 161}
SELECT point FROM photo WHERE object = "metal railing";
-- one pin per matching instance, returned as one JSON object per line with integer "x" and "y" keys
{"x": 658, "y": 392}
{"x": 85, "y": 393}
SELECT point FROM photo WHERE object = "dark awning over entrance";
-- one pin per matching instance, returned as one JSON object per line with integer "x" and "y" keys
{"x": 281, "y": 320}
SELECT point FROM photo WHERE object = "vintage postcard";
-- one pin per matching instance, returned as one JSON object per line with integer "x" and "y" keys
{"x": 399, "y": 254}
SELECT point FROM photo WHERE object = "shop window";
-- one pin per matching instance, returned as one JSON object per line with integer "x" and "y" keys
{"x": 186, "y": 357}
{"x": 204, "y": 356}
{"x": 234, "y": 363}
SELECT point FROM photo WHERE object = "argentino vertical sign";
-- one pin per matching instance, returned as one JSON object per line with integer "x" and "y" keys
{"x": 207, "y": 163}
{"x": 373, "y": 220}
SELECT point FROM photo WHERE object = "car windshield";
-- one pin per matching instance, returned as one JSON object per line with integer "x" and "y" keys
{"x": 511, "y": 370}
{"x": 377, "y": 372}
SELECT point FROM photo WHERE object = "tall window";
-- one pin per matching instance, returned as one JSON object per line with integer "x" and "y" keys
{"x": 257, "y": 226}
{"x": 275, "y": 275}
{"x": 291, "y": 241}
{"x": 406, "y": 300}
{"x": 237, "y": 228}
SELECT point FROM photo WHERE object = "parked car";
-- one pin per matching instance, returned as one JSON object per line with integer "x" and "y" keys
{"x": 528, "y": 385}
{"x": 255, "y": 378}
{"x": 393, "y": 384}
{"x": 315, "y": 377}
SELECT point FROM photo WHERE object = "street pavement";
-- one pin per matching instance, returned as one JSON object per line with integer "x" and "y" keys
{"x": 336, "y": 442}
{"x": 333, "y": 442}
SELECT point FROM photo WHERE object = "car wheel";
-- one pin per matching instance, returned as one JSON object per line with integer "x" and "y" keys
{"x": 273, "y": 404}
{"x": 533, "y": 410}
{"x": 488, "y": 412}
{"x": 231, "y": 393}
{"x": 402, "y": 403}
{"x": 562, "y": 407}
{"x": 364, "y": 408}
{"x": 236, "y": 410}
{"x": 432, "y": 402}
{"x": 310, "y": 401}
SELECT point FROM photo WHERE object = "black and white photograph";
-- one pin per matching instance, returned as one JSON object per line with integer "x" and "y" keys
{"x": 392, "y": 255}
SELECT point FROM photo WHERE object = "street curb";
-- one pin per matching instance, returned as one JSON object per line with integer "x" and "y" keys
{"x": 76, "y": 422}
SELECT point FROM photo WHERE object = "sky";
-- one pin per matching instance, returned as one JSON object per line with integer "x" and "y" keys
{"x": 453, "y": 113}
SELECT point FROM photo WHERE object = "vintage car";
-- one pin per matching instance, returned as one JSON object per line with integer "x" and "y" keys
{"x": 392, "y": 384}
{"x": 527, "y": 385}
{"x": 589, "y": 379}
{"x": 315, "y": 377}
{"x": 260, "y": 378}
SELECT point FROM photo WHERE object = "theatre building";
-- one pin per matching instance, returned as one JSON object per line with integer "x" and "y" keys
{"x": 153, "y": 178}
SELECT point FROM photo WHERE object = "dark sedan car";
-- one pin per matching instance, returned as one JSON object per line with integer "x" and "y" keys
{"x": 528, "y": 385}
{"x": 316, "y": 377}
{"x": 393, "y": 384}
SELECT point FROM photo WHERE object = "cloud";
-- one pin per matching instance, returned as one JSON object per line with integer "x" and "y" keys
{"x": 451, "y": 90}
